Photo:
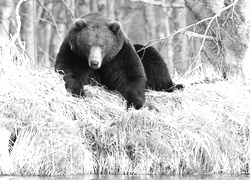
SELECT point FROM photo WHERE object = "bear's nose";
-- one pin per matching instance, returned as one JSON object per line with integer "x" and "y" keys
{"x": 95, "y": 57}
{"x": 94, "y": 64}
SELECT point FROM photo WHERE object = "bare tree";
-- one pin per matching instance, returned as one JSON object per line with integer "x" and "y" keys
{"x": 93, "y": 6}
{"x": 150, "y": 22}
{"x": 28, "y": 28}
{"x": 224, "y": 22}
{"x": 5, "y": 15}
{"x": 110, "y": 4}
{"x": 167, "y": 45}
{"x": 45, "y": 34}
{"x": 192, "y": 33}
{"x": 179, "y": 40}
{"x": 82, "y": 8}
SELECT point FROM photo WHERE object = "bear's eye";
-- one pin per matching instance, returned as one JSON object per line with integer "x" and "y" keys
{"x": 88, "y": 45}
{"x": 103, "y": 45}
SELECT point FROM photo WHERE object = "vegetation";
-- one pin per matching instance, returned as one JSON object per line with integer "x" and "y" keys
{"x": 201, "y": 130}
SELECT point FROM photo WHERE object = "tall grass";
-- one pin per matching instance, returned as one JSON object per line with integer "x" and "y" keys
{"x": 201, "y": 130}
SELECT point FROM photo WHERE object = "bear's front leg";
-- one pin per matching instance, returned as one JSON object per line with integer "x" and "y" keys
{"x": 73, "y": 84}
{"x": 135, "y": 89}
{"x": 135, "y": 96}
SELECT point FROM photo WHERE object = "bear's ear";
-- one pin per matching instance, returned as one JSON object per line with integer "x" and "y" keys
{"x": 80, "y": 23}
{"x": 114, "y": 26}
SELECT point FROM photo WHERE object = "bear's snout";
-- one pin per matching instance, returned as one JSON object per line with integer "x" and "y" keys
{"x": 95, "y": 57}
{"x": 94, "y": 64}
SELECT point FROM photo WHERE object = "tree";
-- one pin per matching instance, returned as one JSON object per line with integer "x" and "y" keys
{"x": 224, "y": 33}
{"x": 6, "y": 9}
{"x": 28, "y": 28}
{"x": 179, "y": 40}
{"x": 45, "y": 33}
{"x": 189, "y": 33}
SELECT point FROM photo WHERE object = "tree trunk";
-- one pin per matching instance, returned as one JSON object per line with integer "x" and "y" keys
{"x": 149, "y": 17}
{"x": 230, "y": 30}
{"x": 62, "y": 24}
{"x": 28, "y": 32}
{"x": 125, "y": 14}
{"x": 168, "y": 50}
{"x": 82, "y": 9}
{"x": 93, "y": 6}
{"x": 179, "y": 40}
{"x": 5, "y": 14}
{"x": 56, "y": 42}
{"x": 246, "y": 60}
{"x": 46, "y": 40}
{"x": 71, "y": 8}
{"x": 110, "y": 9}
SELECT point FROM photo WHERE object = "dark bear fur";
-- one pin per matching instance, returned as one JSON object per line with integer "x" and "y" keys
{"x": 156, "y": 69}
{"x": 96, "y": 45}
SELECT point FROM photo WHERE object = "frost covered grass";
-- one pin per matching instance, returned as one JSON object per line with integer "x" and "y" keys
{"x": 202, "y": 130}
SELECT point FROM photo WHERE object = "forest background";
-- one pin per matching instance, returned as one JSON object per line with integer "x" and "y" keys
{"x": 191, "y": 35}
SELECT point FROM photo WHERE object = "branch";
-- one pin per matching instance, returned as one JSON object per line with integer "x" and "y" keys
{"x": 210, "y": 22}
{"x": 18, "y": 19}
{"x": 47, "y": 54}
{"x": 181, "y": 30}
{"x": 211, "y": 19}
{"x": 161, "y": 4}
{"x": 208, "y": 26}
{"x": 53, "y": 20}
{"x": 71, "y": 14}
{"x": 197, "y": 35}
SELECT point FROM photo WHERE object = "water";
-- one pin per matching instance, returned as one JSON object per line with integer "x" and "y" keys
{"x": 122, "y": 177}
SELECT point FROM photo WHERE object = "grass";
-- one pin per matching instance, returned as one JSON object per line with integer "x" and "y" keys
{"x": 201, "y": 130}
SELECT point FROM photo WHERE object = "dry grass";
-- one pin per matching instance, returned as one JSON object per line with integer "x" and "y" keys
{"x": 203, "y": 129}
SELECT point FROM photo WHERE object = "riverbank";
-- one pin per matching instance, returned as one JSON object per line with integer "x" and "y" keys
{"x": 203, "y": 129}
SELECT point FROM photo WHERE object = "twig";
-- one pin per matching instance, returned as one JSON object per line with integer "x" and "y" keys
{"x": 72, "y": 15}
{"x": 47, "y": 54}
{"x": 161, "y": 4}
{"x": 178, "y": 32}
{"x": 197, "y": 35}
{"x": 210, "y": 22}
{"x": 52, "y": 18}
{"x": 5, "y": 30}
{"x": 195, "y": 24}
{"x": 207, "y": 28}
{"x": 18, "y": 19}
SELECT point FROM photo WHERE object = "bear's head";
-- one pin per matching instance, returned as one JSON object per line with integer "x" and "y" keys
{"x": 96, "y": 38}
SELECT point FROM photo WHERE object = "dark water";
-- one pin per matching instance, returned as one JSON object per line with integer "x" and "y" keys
{"x": 122, "y": 177}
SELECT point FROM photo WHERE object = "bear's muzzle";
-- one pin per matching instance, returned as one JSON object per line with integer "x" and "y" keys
{"x": 95, "y": 57}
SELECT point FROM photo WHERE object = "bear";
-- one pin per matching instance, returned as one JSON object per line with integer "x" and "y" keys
{"x": 158, "y": 77}
{"x": 96, "y": 47}
{"x": 95, "y": 44}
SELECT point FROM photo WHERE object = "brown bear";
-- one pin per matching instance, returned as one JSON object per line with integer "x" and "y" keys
{"x": 96, "y": 45}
